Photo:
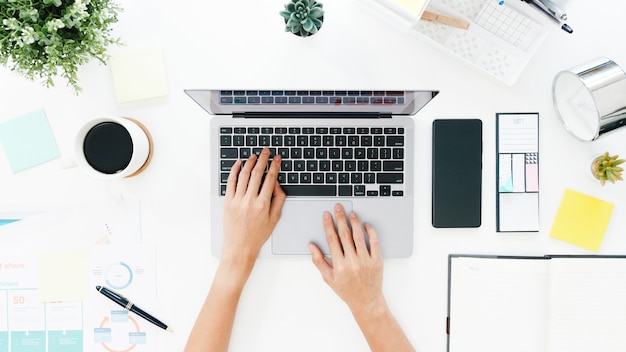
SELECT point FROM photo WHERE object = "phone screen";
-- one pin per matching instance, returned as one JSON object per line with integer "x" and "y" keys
{"x": 457, "y": 173}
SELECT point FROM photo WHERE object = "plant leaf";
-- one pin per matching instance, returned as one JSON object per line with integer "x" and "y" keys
{"x": 316, "y": 12}
{"x": 308, "y": 25}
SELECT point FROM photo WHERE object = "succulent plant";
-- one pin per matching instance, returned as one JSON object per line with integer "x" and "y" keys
{"x": 606, "y": 168}
{"x": 303, "y": 17}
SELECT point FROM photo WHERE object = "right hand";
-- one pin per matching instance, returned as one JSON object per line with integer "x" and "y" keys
{"x": 356, "y": 273}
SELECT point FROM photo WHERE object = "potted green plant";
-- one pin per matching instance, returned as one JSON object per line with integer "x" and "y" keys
{"x": 303, "y": 17}
{"x": 606, "y": 167}
{"x": 46, "y": 38}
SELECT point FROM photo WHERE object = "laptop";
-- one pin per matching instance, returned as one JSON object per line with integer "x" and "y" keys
{"x": 349, "y": 147}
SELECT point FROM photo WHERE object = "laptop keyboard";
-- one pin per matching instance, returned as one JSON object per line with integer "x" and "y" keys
{"x": 269, "y": 97}
{"x": 323, "y": 161}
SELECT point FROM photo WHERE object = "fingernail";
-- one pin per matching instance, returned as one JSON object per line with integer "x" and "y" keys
{"x": 338, "y": 207}
{"x": 265, "y": 151}
{"x": 326, "y": 215}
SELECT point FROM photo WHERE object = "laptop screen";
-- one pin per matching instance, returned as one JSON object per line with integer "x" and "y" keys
{"x": 228, "y": 102}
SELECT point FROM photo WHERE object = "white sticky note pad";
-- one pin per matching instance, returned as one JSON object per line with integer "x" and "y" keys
{"x": 63, "y": 275}
{"x": 518, "y": 212}
{"x": 138, "y": 73}
{"x": 517, "y": 149}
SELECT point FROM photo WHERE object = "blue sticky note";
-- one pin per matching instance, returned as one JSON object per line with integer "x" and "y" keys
{"x": 6, "y": 222}
{"x": 28, "y": 141}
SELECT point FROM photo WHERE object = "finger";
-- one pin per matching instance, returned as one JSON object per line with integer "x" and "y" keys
{"x": 267, "y": 189}
{"x": 321, "y": 263}
{"x": 244, "y": 175}
{"x": 358, "y": 235}
{"x": 278, "y": 200}
{"x": 258, "y": 171}
{"x": 331, "y": 236}
{"x": 375, "y": 251}
{"x": 345, "y": 235}
{"x": 231, "y": 184}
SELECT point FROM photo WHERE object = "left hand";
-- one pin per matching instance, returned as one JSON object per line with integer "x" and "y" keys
{"x": 252, "y": 206}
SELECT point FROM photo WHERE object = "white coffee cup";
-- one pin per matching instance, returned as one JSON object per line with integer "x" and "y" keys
{"x": 113, "y": 147}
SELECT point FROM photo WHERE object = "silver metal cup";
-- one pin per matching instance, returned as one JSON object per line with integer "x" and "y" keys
{"x": 590, "y": 99}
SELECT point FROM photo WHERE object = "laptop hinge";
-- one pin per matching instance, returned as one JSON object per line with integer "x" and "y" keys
{"x": 313, "y": 115}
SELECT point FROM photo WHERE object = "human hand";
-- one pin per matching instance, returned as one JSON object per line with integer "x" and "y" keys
{"x": 252, "y": 206}
{"x": 356, "y": 273}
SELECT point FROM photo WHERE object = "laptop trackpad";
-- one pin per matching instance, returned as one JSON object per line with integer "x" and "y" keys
{"x": 301, "y": 224}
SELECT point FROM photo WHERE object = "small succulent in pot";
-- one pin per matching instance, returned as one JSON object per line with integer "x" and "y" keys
{"x": 606, "y": 167}
{"x": 303, "y": 17}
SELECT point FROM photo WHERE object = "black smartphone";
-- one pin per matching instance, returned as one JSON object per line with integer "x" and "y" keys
{"x": 457, "y": 173}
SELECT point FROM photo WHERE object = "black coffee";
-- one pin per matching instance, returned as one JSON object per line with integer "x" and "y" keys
{"x": 108, "y": 147}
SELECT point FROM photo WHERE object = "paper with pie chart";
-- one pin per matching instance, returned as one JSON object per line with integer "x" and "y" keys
{"x": 30, "y": 324}
{"x": 130, "y": 272}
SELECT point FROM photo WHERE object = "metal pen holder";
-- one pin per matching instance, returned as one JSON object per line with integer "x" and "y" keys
{"x": 590, "y": 99}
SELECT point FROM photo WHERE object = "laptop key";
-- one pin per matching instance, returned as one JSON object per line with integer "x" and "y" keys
{"x": 393, "y": 165}
{"x": 310, "y": 190}
{"x": 284, "y": 152}
{"x": 305, "y": 177}
{"x": 264, "y": 140}
{"x": 296, "y": 153}
{"x": 299, "y": 165}
{"x": 389, "y": 178}
{"x": 398, "y": 153}
{"x": 226, "y": 140}
{"x": 290, "y": 141}
{"x": 229, "y": 153}
{"x": 244, "y": 153}
{"x": 226, "y": 165}
{"x": 277, "y": 140}
{"x": 238, "y": 140}
{"x": 395, "y": 141}
{"x": 318, "y": 177}
{"x": 286, "y": 165}
{"x": 345, "y": 191}
{"x": 251, "y": 140}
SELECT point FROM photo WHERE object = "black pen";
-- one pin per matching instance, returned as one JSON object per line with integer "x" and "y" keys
{"x": 129, "y": 306}
{"x": 551, "y": 10}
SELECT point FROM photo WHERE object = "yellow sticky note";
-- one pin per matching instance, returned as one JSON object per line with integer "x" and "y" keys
{"x": 63, "y": 276}
{"x": 581, "y": 220}
{"x": 138, "y": 73}
{"x": 415, "y": 6}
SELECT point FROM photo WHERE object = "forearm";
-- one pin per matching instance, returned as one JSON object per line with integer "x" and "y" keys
{"x": 214, "y": 324}
{"x": 380, "y": 328}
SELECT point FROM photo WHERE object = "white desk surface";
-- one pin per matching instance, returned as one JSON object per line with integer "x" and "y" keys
{"x": 242, "y": 44}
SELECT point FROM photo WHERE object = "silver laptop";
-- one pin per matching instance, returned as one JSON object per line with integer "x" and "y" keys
{"x": 350, "y": 147}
